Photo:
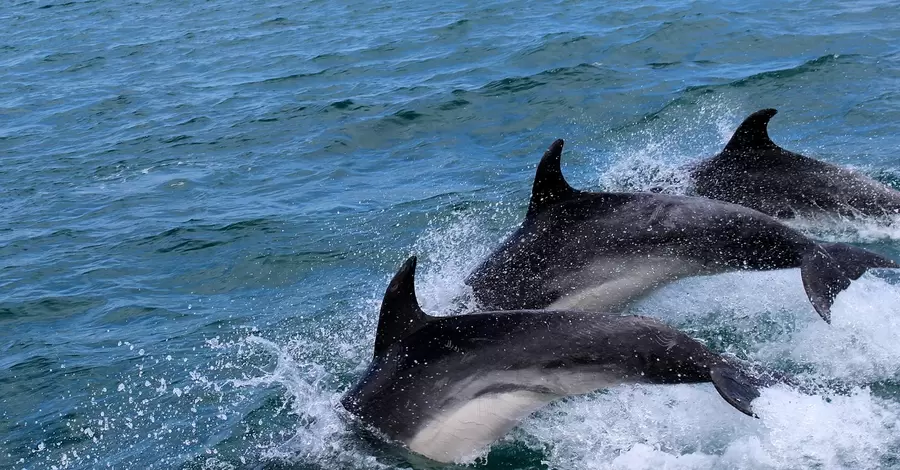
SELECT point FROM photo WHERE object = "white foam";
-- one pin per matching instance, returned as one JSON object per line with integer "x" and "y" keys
{"x": 771, "y": 312}
{"x": 690, "y": 427}
{"x": 862, "y": 342}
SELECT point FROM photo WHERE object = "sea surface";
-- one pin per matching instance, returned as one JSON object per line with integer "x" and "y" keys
{"x": 202, "y": 203}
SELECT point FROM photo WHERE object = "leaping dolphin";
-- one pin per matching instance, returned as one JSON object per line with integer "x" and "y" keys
{"x": 446, "y": 387}
{"x": 755, "y": 172}
{"x": 600, "y": 251}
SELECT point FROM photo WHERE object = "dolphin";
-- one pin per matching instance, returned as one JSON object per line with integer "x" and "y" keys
{"x": 579, "y": 250}
{"x": 755, "y": 172}
{"x": 447, "y": 387}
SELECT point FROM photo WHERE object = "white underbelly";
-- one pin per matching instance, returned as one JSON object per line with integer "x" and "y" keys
{"x": 461, "y": 432}
{"x": 458, "y": 435}
{"x": 610, "y": 284}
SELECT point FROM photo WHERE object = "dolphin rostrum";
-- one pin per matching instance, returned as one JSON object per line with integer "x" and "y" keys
{"x": 755, "y": 172}
{"x": 446, "y": 387}
{"x": 579, "y": 250}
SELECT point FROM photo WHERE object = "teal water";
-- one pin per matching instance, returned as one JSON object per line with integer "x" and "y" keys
{"x": 203, "y": 202}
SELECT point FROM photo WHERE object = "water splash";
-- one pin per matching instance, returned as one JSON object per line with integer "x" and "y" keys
{"x": 318, "y": 435}
{"x": 690, "y": 427}
{"x": 657, "y": 157}
{"x": 648, "y": 168}
{"x": 454, "y": 248}
{"x": 729, "y": 311}
{"x": 857, "y": 229}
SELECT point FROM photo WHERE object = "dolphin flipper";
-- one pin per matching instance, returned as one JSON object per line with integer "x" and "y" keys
{"x": 736, "y": 387}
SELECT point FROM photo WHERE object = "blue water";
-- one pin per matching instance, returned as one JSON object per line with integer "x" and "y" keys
{"x": 203, "y": 202}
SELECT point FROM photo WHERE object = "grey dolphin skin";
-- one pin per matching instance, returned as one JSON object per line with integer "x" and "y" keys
{"x": 446, "y": 387}
{"x": 579, "y": 250}
{"x": 755, "y": 172}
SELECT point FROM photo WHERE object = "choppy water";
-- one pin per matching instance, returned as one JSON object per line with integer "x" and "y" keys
{"x": 203, "y": 202}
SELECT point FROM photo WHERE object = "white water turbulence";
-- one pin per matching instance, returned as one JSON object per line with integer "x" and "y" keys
{"x": 689, "y": 427}
{"x": 860, "y": 346}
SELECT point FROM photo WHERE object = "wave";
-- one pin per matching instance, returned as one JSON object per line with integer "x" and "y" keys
{"x": 48, "y": 308}
{"x": 203, "y": 236}
{"x": 810, "y": 66}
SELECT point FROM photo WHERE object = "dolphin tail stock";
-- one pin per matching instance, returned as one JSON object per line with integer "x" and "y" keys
{"x": 856, "y": 261}
{"x": 828, "y": 268}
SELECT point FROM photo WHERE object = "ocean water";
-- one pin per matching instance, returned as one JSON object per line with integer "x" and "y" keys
{"x": 203, "y": 202}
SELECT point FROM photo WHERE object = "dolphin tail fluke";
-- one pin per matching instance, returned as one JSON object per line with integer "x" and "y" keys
{"x": 823, "y": 279}
{"x": 736, "y": 387}
{"x": 829, "y": 268}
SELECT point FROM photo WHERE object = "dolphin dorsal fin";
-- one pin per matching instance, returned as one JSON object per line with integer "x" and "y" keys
{"x": 753, "y": 133}
{"x": 549, "y": 184}
{"x": 400, "y": 312}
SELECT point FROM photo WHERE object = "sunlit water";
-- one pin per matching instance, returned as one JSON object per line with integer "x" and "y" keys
{"x": 203, "y": 202}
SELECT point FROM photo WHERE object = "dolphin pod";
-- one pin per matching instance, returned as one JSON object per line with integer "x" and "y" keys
{"x": 755, "y": 172}
{"x": 446, "y": 387}
{"x": 591, "y": 251}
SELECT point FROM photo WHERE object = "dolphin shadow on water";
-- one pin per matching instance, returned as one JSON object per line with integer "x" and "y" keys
{"x": 579, "y": 250}
{"x": 445, "y": 388}
{"x": 755, "y": 172}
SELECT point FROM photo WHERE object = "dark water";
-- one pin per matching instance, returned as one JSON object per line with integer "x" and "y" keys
{"x": 203, "y": 202}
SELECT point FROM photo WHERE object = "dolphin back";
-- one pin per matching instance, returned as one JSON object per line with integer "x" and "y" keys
{"x": 754, "y": 171}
